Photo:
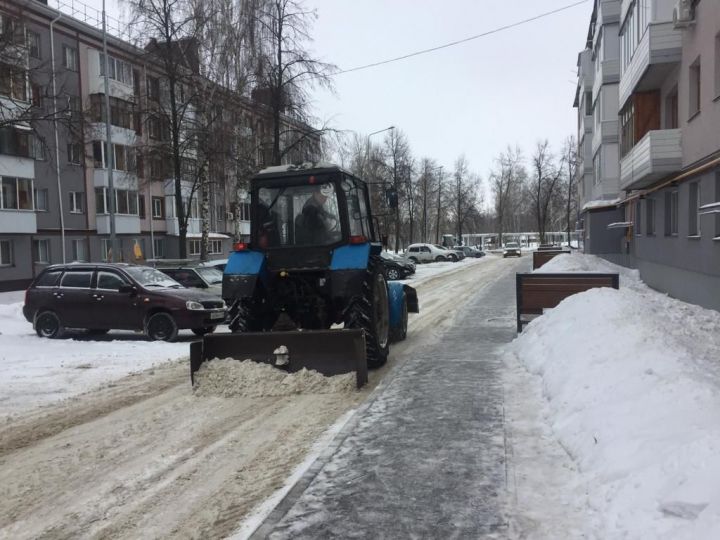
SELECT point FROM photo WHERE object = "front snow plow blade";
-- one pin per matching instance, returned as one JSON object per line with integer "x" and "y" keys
{"x": 330, "y": 352}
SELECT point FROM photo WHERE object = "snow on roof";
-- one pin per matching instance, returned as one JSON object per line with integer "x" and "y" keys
{"x": 210, "y": 235}
{"x": 600, "y": 203}
{"x": 620, "y": 225}
{"x": 297, "y": 167}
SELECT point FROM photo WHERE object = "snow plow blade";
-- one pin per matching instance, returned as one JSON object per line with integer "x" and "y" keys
{"x": 330, "y": 352}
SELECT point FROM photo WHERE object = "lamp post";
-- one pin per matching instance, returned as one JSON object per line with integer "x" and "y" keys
{"x": 437, "y": 231}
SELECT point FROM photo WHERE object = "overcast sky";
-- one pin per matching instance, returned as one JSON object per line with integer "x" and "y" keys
{"x": 513, "y": 87}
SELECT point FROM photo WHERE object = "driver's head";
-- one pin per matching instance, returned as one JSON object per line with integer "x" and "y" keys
{"x": 322, "y": 193}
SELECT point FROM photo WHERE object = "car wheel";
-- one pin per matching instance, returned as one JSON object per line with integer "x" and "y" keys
{"x": 48, "y": 325}
{"x": 453, "y": 258}
{"x": 439, "y": 258}
{"x": 203, "y": 331}
{"x": 161, "y": 327}
{"x": 414, "y": 260}
{"x": 393, "y": 273}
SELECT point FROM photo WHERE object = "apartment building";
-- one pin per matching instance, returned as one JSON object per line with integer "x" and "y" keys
{"x": 669, "y": 134}
{"x": 55, "y": 197}
{"x": 596, "y": 100}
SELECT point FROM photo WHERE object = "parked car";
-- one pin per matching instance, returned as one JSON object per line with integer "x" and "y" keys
{"x": 418, "y": 253}
{"x": 197, "y": 277}
{"x": 512, "y": 249}
{"x": 103, "y": 297}
{"x": 470, "y": 251}
{"x": 452, "y": 253}
{"x": 397, "y": 267}
{"x": 218, "y": 264}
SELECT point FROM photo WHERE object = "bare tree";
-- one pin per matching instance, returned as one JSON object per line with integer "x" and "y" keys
{"x": 506, "y": 181}
{"x": 544, "y": 185}
{"x": 285, "y": 72}
{"x": 463, "y": 194}
{"x": 425, "y": 186}
{"x": 400, "y": 166}
{"x": 569, "y": 160}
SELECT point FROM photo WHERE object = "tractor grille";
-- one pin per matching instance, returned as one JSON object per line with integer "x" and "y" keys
{"x": 212, "y": 304}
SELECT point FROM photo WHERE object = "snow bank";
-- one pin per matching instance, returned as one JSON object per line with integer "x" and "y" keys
{"x": 230, "y": 378}
{"x": 632, "y": 380}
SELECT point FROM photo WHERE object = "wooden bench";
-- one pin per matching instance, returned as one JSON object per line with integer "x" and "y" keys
{"x": 536, "y": 292}
{"x": 540, "y": 257}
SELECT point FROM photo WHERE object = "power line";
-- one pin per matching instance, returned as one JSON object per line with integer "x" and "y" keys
{"x": 453, "y": 43}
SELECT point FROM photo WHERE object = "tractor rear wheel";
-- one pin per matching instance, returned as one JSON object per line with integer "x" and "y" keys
{"x": 371, "y": 312}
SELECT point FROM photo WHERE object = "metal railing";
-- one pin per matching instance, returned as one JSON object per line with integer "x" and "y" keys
{"x": 91, "y": 16}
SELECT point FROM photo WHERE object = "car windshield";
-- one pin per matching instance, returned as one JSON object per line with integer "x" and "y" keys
{"x": 212, "y": 275}
{"x": 149, "y": 277}
{"x": 512, "y": 245}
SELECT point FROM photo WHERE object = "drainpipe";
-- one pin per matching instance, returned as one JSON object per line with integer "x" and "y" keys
{"x": 57, "y": 142}
{"x": 109, "y": 150}
{"x": 149, "y": 182}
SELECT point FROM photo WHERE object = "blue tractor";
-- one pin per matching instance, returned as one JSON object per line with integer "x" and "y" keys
{"x": 309, "y": 289}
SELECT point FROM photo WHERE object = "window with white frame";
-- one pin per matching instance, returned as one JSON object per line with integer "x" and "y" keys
{"x": 41, "y": 200}
{"x": 33, "y": 43}
{"x": 74, "y": 153}
{"x": 124, "y": 158}
{"x": 104, "y": 249}
{"x": 6, "y": 253}
{"x": 671, "y": 213}
{"x": 16, "y": 194}
{"x": 77, "y": 202}
{"x": 119, "y": 70}
{"x": 157, "y": 208}
{"x": 13, "y": 82}
{"x": 126, "y": 202}
{"x": 214, "y": 247}
{"x": 42, "y": 251}
{"x": 194, "y": 247}
{"x": 70, "y": 58}
{"x": 159, "y": 248}
{"x": 79, "y": 250}
{"x": 244, "y": 211}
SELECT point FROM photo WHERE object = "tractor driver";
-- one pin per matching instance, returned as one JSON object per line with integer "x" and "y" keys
{"x": 317, "y": 224}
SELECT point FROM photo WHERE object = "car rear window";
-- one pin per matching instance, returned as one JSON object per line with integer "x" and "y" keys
{"x": 76, "y": 279}
{"x": 48, "y": 279}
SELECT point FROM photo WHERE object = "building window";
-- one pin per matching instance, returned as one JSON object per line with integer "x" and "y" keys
{"x": 104, "y": 249}
{"x": 597, "y": 166}
{"x": 194, "y": 247}
{"x": 70, "y": 58}
{"x": 127, "y": 202}
{"x": 42, "y": 251}
{"x": 650, "y": 217}
{"x": 79, "y": 250}
{"x": 124, "y": 156}
{"x": 157, "y": 208}
{"x": 119, "y": 71}
{"x": 671, "y": 213}
{"x": 77, "y": 202}
{"x": 588, "y": 104}
{"x": 637, "y": 225}
{"x": 153, "y": 88}
{"x": 627, "y": 129}
{"x": 33, "y": 39}
{"x": 13, "y": 82}
{"x": 141, "y": 206}
{"x": 15, "y": 142}
{"x": 158, "y": 248}
{"x": 717, "y": 200}
{"x": 215, "y": 247}
{"x": 16, "y": 194}
{"x": 38, "y": 148}
{"x": 6, "y": 253}
{"x": 693, "y": 205}
{"x": 694, "y": 90}
{"x": 671, "y": 110}
{"x": 41, "y": 200}
{"x": 74, "y": 153}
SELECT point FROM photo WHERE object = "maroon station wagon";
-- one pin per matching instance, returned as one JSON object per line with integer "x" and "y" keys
{"x": 103, "y": 297}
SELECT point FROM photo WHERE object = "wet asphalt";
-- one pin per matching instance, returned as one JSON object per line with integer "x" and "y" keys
{"x": 425, "y": 457}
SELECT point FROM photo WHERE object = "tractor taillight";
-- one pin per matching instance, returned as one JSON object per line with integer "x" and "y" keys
{"x": 358, "y": 239}
{"x": 240, "y": 246}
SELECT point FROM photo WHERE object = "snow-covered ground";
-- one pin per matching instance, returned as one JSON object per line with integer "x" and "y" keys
{"x": 39, "y": 371}
{"x": 631, "y": 380}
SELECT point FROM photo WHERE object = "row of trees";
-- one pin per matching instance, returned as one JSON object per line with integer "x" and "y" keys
{"x": 537, "y": 193}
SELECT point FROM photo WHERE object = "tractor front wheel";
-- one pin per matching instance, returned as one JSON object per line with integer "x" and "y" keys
{"x": 371, "y": 312}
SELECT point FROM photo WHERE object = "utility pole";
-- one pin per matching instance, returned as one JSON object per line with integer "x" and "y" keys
{"x": 109, "y": 152}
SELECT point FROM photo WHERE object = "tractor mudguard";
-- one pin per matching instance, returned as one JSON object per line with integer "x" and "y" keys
{"x": 351, "y": 257}
{"x": 330, "y": 352}
{"x": 241, "y": 273}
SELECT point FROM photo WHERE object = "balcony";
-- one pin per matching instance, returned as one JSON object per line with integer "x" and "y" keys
{"x": 609, "y": 11}
{"x": 18, "y": 222}
{"x": 123, "y": 224}
{"x": 656, "y": 155}
{"x": 23, "y": 167}
{"x": 609, "y": 73}
{"x": 586, "y": 71}
{"x": 173, "y": 227}
{"x": 606, "y": 133}
{"x": 658, "y": 52}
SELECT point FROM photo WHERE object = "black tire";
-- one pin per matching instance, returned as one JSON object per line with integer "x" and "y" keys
{"x": 48, "y": 325}
{"x": 97, "y": 331}
{"x": 161, "y": 327}
{"x": 399, "y": 334}
{"x": 453, "y": 258}
{"x": 241, "y": 317}
{"x": 371, "y": 312}
{"x": 393, "y": 273}
{"x": 414, "y": 260}
{"x": 439, "y": 258}
{"x": 203, "y": 331}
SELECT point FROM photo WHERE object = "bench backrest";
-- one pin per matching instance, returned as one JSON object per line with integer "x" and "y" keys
{"x": 535, "y": 292}
{"x": 541, "y": 257}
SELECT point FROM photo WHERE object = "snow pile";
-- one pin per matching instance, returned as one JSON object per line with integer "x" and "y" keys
{"x": 632, "y": 380}
{"x": 231, "y": 378}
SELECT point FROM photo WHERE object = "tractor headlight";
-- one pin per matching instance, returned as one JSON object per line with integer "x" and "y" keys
{"x": 191, "y": 304}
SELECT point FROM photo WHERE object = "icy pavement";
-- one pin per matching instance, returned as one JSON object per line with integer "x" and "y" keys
{"x": 426, "y": 457}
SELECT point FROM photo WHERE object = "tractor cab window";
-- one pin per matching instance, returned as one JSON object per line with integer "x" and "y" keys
{"x": 298, "y": 215}
{"x": 357, "y": 208}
